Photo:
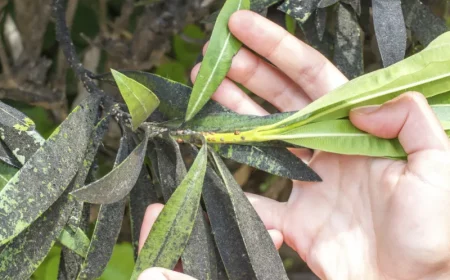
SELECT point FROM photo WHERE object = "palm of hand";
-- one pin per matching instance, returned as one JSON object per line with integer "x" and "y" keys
{"x": 373, "y": 217}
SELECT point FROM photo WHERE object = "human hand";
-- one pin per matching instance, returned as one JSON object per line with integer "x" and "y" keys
{"x": 370, "y": 218}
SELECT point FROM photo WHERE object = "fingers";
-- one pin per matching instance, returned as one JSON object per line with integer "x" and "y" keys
{"x": 304, "y": 65}
{"x": 266, "y": 81}
{"x": 151, "y": 214}
{"x": 407, "y": 117}
{"x": 156, "y": 273}
{"x": 232, "y": 97}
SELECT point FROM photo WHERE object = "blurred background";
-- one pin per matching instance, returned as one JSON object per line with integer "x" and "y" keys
{"x": 163, "y": 37}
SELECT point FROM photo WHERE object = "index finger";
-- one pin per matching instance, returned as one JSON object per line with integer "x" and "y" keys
{"x": 315, "y": 74}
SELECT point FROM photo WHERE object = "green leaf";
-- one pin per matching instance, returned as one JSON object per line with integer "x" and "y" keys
{"x": 47, "y": 174}
{"x": 442, "y": 112}
{"x": 121, "y": 264}
{"x": 427, "y": 72}
{"x": 198, "y": 258}
{"x": 76, "y": 240}
{"x": 217, "y": 60}
{"x": 172, "y": 228}
{"x": 107, "y": 227}
{"x": 341, "y": 137}
{"x": 6, "y": 173}
{"x": 244, "y": 244}
{"x": 118, "y": 183}
{"x": 390, "y": 30}
{"x": 140, "y": 100}
{"x": 277, "y": 161}
{"x": 440, "y": 99}
{"x": 257, "y": 6}
{"x": 173, "y": 70}
{"x": 291, "y": 24}
{"x": 18, "y": 132}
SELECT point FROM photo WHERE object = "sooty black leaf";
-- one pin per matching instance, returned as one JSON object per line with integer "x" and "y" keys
{"x": 425, "y": 25}
{"x": 321, "y": 22}
{"x": 348, "y": 49}
{"x": 7, "y": 156}
{"x": 141, "y": 196}
{"x": 18, "y": 133}
{"x": 244, "y": 244}
{"x": 326, "y": 3}
{"x": 277, "y": 161}
{"x": 323, "y": 43}
{"x": 301, "y": 10}
{"x": 356, "y": 5}
{"x": 390, "y": 30}
{"x": 49, "y": 171}
{"x": 115, "y": 185}
{"x": 107, "y": 227}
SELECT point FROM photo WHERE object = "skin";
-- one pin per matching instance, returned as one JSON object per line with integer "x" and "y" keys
{"x": 370, "y": 218}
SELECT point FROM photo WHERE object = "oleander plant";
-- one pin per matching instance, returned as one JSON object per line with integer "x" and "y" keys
{"x": 174, "y": 140}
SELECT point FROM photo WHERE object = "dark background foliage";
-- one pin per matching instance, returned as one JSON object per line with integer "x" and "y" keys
{"x": 166, "y": 37}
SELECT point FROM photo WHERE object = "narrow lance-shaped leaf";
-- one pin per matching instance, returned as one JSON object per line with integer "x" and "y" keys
{"x": 23, "y": 255}
{"x": 140, "y": 100}
{"x": 70, "y": 262}
{"x": 427, "y": 72}
{"x": 217, "y": 60}
{"x": 440, "y": 99}
{"x": 76, "y": 240}
{"x": 141, "y": 196}
{"x": 301, "y": 10}
{"x": 7, "y": 156}
{"x": 424, "y": 25}
{"x": 198, "y": 258}
{"x": 49, "y": 171}
{"x": 341, "y": 137}
{"x": 25, "y": 252}
{"x": 321, "y": 22}
{"x": 115, "y": 185}
{"x": 390, "y": 30}
{"x": 321, "y": 41}
{"x": 277, "y": 161}
{"x": 326, "y": 3}
{"x": 257, "y": 6}
{"x": 348, "y": 49}
{"x": 244, "y": 244}
{"x": 6, "y": 173}
{"x": 172, "y": 228}
{"x": 18, "y": 132}
{"x": 107, "y": 227}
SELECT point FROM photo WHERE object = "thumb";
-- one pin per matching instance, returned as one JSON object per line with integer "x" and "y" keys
{"x": 157, "y": 273}
{"x": 407, "y": 117}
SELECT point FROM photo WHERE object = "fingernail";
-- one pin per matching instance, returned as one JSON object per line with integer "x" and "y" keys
{"x": 150, "y": 274}
{"x": 365, "y": 110}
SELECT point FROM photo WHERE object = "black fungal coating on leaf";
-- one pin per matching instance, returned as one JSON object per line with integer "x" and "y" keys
{"x": 107, "y": 227}
{"x": 50, "y": 170}
{"x": 244, "y": 244}
{"x": 348, "y": 50}
{"x": 7, "y": 156}
{"x": 300, "y": 10}
{"x": 141, "y": 196}
{"x": 277, "y": 161}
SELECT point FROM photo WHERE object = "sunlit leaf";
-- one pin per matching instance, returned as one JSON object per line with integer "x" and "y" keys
{"x": 75, "y": 240}
{"x": 390, "y": 30}
{"x": 172, "y": 228}
{"x": 427, "y": 72}
{"x": 301, "y": 10}
{"x": 140, "y": 100}
{"x": 107, "y": 226}
{"x": 257, "y": 6}
{"x": 277, "y": 161}
{"x": 18, "y": 132}
{"x": 116, "y": 184}
{"x": 217, "y": 60}
{"x": 440, "y": 99}
{"x": 340, "y": 136}
{"x": 49, "y": 172}
{"x": 291, "y": 24}
{"x": 348, "y": 49}
{"x": 244, "y": 244}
